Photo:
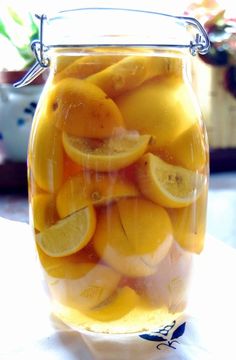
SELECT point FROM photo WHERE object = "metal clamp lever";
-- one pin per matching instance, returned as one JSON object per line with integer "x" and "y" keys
{"x": 39, "y": 50}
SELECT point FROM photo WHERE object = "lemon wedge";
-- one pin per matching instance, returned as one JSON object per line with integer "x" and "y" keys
{"x": 146, "y": 225}
{"x": 43, "y": 210}
{"x": 68, "y": 235}
{"x": 189, "y": 224}
{"x": 93, "y": 284}
{"x": 162, "y": 107}
{"x": 166, "y": 184}
{"x": 82, "y": 109}
{"x": 109, "y": 154}
{"x": 136, "y": 245}
{"x": 116, "y": 306}
{"x": 132, "y": 71}
{"x": 91, "y": 188}
{"x": 46, "y": 154}
{"x": 78, "y": 280}
{"x": 81, "y": 67}
{"x": 190, "y": 149}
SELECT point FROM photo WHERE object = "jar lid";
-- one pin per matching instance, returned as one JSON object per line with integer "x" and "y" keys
{"x": 114, "y": 26}
{"x": 118, "y": 26}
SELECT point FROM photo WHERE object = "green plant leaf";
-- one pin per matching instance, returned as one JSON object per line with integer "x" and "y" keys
{"x": 25, "y": 52}
{"x": 3, "y": 30}
{"x": 20, "y": 29}
{"x": 34, "y": 29}
{"x": 15, "y": 16}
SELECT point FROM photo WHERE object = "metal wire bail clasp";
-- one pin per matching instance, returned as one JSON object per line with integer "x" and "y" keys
{"x": 201, "y": 44}
{"x": 39, "y": 50}
{"x": 38, "y": 46}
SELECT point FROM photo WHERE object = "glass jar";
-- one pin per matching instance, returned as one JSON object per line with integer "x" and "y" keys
{"x": 118, "y": 168}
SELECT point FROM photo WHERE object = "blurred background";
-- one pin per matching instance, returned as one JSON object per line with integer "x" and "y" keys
{"x": 213, "y": 79}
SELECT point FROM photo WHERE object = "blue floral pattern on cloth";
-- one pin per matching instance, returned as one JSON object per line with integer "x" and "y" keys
{"x": 166, "y": 336}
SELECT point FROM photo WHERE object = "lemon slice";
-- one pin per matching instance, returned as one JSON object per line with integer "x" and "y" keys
{"x": 110, "y": 154}
{"x": 168, "y": 185}
{"x": 116, "y": 306}
{"x": 90, "y": 188}
{"x": 68, "y": 235}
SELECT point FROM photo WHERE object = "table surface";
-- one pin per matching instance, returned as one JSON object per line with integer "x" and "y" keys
{"x": 221, "y": 220}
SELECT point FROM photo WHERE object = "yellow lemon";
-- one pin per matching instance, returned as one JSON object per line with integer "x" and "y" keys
{"x": 43, "y": 211}
{"x": 92, "y": 188}
{"x": 68, "y": 235}
{"x": 115, "y": 307}
{"x": 162, "y": 107}
{"x": 168, "y": 185}
{"x": 145, "y": 224}
{"x": 189, "y": 224}
{"x": 71, "y": 168}
{"x": 130, "y": 253}
{"x": 46, "y": 155}
{"x": 61, "y": 61}
{"x": 82, "y": 66}
{"x": 78, "y": 281}
{"x": 110, "y": 154}
{"x": 65, "y": 267}
{"x": 95, "y": 285}
{"x": 131, "y": 72}
{"x": 190, "y": 148}
{"x": 168, "y": 287}
{"x": 110, "y": 232}
{"x": 82, "y": 109}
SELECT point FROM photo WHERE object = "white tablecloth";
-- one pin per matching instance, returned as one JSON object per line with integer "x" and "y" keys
{"x": 29, "y": 331}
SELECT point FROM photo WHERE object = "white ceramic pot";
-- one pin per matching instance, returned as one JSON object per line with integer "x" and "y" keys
{"x": 17, "y": 107}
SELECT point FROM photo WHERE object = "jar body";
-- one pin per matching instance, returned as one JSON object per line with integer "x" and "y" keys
{"x": 118, "y": 176}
